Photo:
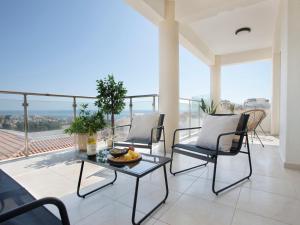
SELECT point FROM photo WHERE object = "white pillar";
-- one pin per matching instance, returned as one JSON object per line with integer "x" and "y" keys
{"x": 275, "y": 115}
{"x": 290, "y": 83}
{"x": 215, "y": 81}
{"x": 169, "y": 71}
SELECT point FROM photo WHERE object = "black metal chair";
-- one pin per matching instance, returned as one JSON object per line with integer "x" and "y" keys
{"x": 211, "y": 155}
{"x": 18, "y": 206}
{"x": 146, "y": 142}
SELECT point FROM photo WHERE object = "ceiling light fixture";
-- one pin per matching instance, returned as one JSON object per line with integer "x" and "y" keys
{"x": 243, "y": 30}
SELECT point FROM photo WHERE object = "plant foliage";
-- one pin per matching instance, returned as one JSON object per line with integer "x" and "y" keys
{"x": 87, "y": 122}
{"x": 111, "y": 96}
{"x": 209, "y": 108}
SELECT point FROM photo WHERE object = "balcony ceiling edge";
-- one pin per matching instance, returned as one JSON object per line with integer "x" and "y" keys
{"x": 187, "y": 37}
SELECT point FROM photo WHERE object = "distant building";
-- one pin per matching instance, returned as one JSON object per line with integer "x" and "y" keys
{"x": 225, "y": 104}
{"x": 262, "y": 103}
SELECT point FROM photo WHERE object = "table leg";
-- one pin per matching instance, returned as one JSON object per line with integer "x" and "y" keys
{"x": 152, "y": 210}
{"x": 79, "y": 183}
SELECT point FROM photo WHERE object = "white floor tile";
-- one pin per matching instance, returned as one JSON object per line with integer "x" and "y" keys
{"x": 245, "y": 218}
{"x": 113, "y": 214}
{"x": 270, "y": 205}
{"x": 202, "y": 188}
{"x": 196, "y": 211}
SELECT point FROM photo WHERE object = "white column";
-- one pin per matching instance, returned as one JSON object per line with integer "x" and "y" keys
{"x": 169, "y": 71}
{"x": 215, "y": 81}
{"x": 290, "y": 83}
{"x": 275, "y": 115}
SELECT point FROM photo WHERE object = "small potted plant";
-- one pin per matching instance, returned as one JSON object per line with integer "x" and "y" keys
{"x": 208, "y": 108}
{"x": 85, "y": 128}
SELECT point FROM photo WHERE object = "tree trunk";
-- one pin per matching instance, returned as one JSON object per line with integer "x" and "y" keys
{"x": 113, "y": 123}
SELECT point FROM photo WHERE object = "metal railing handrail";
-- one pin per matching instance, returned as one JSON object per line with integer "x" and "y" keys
{"x": 67, "y": 96}
{"x": 44, "y": 94}
{"x": 80, "y": 96}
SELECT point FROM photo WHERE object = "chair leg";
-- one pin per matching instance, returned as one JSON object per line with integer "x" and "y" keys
{"x": 216, "y": 192}
{"x": 262, "y": 129}
{"x": 184, "y": 170}
{"x": 165, "y": 151}
{"x": 255, "y": 134}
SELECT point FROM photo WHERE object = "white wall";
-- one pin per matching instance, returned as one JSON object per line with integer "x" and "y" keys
{"x": 290, "y": 83}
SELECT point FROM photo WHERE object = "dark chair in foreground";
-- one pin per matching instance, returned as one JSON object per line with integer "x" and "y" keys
{"x": 153, "y": 135}
{"x": 18, "y": 206}
{"x": 211, "y": 155}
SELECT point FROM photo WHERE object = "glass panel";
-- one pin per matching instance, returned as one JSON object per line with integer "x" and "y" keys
{"x": 255, "y": 93}
{"x": 183, "y": 116}
{"x": 142, "y": 105}
{"x": 11, "y": 126}
{"x": 195, "y": 114}
{"x": 123, "y": 119}
{"x": 47, "y": 119}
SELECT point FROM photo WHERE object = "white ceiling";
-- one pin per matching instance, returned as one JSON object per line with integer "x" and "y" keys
{"x": 217, "y": 28}
{"x": 214, "y": 22}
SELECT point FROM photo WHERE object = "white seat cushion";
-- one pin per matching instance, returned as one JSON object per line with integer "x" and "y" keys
{"x": 212, "y": 127}
{"x": 141, "y": 126}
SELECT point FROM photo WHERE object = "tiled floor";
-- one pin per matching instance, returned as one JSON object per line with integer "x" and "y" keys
{"x": 272, "y": 196}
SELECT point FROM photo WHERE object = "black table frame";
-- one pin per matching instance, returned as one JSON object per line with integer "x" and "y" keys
{"x": 136, "y": 187}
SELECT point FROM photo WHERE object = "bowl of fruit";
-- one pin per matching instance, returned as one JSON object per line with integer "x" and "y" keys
{"x": 117, "y": 152}
{"x": 130, "y": 157}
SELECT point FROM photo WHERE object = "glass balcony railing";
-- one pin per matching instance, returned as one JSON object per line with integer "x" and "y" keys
{"x": 32, "y": 123}
{"x": 12, "y": 135}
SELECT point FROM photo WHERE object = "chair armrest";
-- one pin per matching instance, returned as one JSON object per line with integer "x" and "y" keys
{"x": 228, "y": 133}
{"x": 155, "y": 128}
{"x": 182, "y": 129}
{"x": 158, "y": 127}
{"x": 36, "y": 204}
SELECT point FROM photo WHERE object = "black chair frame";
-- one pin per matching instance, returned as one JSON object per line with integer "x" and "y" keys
{"x": 36, "y": 204}
{"x": 161, "y": 132}
{"x": 211, "y": 156}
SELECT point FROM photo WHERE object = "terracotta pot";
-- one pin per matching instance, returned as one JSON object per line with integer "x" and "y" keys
{"x": 81, "y": 141}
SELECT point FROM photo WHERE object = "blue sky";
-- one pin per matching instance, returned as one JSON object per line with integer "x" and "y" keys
{"x": 63, "y": 46}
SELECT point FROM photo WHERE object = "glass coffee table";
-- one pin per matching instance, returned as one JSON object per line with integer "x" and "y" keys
{"x": 146, "y": 165}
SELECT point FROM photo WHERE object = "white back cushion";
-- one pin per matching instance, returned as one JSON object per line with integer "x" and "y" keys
{"x": 141, "y": 126}
{"x": 212, "y": 127}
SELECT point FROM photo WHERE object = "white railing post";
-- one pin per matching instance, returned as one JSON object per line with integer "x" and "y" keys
{"x": 199, "y": 114}
{"x": 74, "y": 107}
{"x": 130, "y": 108}
{"x": 153, "y": 103}
{"x": 26, "y": 141}
{"x": 190, "y": 116}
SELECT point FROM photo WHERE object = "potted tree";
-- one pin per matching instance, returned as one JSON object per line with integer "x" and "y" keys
{"x": 85, "y": 128}
{"x": 111, "y": 98}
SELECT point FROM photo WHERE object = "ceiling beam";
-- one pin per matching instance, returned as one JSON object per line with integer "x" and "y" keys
{"x": 194, "y": 44}
{"x": 197, "y": 11}
{"x": 145, "y": 10}
{"x": 247, "y": 56}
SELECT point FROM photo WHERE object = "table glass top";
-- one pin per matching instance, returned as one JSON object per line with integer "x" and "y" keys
{"x": 147, "y": 164}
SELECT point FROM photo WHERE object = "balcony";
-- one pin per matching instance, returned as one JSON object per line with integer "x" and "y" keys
{"x": 35, "y": 151}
